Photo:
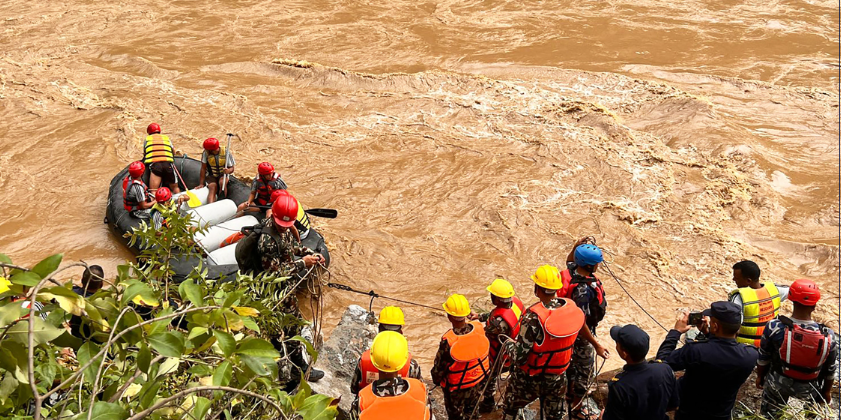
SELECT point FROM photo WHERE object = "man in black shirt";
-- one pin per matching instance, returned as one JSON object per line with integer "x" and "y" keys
{"x": 643, "y": 390}
{"x": 715, "y": 368}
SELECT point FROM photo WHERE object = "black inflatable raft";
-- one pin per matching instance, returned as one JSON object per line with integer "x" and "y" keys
{"x": 120, "y": 222}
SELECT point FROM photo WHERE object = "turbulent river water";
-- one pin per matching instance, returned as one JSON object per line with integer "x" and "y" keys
{"x": 459, "y": 140}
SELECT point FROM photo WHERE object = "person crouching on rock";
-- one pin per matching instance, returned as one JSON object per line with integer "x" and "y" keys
{"x": 136, "y": 198}
{"x": 216, "y": 162}
{"x": 392, "y": 396}
{"x": 267, "y": 181}
{"x": 391, "y": 319}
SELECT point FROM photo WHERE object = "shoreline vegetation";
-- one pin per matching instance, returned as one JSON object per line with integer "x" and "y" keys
{"x": 144, "y": 346}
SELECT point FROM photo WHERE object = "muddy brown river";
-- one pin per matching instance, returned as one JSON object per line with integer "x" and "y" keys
{"x": 459, "y": 140}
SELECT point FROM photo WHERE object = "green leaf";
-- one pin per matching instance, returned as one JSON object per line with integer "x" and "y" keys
{"x": 84, "y": 355}
{"x": 304, "y": 392}
{"x": 258, "y": 365}
{"x": 144, "y": 358}
{"x": 318, "y": 407}
{"x": 251, "y": 324}
{"x": 222, "y": 375}
{"x": 42, "y": 332}
{"x": 10, "y": 312}
{"x": 310, "y": 349}
{"x": 47, "y": 266}
{"x": 5, "y": 259}
{"x": 169, "y": 366}
{"x": 107, "y": 411}
{"x": 25, "y": 278}
{"x": 189, "y": 290}
{"x": 226, "y": 342}
{"x": 200, "y": 370}
{"x": 148, "y": 393}
{"x": 201, "y": 408}
{"x": 196, "y": 331}
{"x": 8, "y": 386}
{"x": 257, "y": 347}
{"x": 168, "y": 344}
{"x": 66, "y": 299}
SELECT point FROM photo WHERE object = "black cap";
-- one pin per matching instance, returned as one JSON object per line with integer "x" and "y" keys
{"x": 724, "y": 312}
{"x": 632, "y": 339}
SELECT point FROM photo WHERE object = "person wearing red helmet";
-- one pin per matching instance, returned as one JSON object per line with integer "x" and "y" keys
{"x": 136, "y": 197}
{"x": 262, "y": 187}
{"x": 280, "y": 250}
{"x": 163, "y": 200}
{"x": 158, "y": 154}
{"x": 216, "y": 162}
{"x": 797, "y": 355}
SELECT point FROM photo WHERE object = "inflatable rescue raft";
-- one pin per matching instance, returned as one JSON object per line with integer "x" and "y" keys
{"x": 218, "y": 219}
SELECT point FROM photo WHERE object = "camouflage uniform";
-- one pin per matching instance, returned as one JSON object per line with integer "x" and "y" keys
{"x": 278, "y": 250}
{"x": 524, "y": 388}
{"x": 581, "y": 373}
{"x": 460, "y": 404}
{"x": 494, "y": 328}
{"x": 414, "y": 372}
{"x": 778, "y": 388}
{"x": 382, "y": 388}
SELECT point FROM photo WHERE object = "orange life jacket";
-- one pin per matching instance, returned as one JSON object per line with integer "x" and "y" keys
{"x": 511, "y": 316}
{"x": 232, "y": 239}
{"x": 264, "y": 190}
{"x": 371, "y": 374}
{"x": 410, "y": 405}
{"x": 470, "y": 358}
{"x": 560, "y": 328}
{"x": 128, "y": 204}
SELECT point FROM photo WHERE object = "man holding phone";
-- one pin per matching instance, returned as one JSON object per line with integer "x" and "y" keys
{"x": 715, "y": 368}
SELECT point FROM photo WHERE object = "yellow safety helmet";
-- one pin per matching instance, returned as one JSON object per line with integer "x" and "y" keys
{"x": 456, "y": 305}
{"x": 390, "y": 351}
{"x": 392, "y": 315}
{"x": 502, "y": 289}
{"x": 548, "y": 277}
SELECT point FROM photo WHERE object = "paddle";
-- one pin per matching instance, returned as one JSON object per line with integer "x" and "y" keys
{"x": 224, "y": 186}
{"x": 325, "y": 213}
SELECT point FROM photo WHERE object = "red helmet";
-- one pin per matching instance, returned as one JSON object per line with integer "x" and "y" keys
{"x": 285, "y": 210}
{"x": 804, "y": 292}
{"x": 136, "y": 169}
{"x": 276, "y": 194}
{"x": 265, "y": 168}
{"x": 163, "y": 195}
{"x": 153, "y": 128}
{"x": 211, "y": 144}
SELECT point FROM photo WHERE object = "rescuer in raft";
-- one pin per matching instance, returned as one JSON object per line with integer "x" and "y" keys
{"x": 501, "y": 324}
{"x": 216, "y": 162}
{"x": 158, "y": 154}
{"x": 797, "y": 355}
{"x": 267, "y": 181}
{"x": 392, "y": 396}
{"x": 542, "y": 352}
{"x": 461, "y": 364}
{"x": 163, "y": 200}
{"x": 136, "y": 198}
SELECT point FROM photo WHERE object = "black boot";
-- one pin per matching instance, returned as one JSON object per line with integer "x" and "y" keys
{"x": 296, "y": 356}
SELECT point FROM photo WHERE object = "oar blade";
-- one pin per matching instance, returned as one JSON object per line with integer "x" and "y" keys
{"x": 325, "y": 213}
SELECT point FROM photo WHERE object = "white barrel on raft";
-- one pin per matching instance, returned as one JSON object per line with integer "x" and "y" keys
{"x": 213, "y": 237}
{"x": 212, "y": 214}
{"x": 200, "y": 193}
{"x": 223, "y": 256}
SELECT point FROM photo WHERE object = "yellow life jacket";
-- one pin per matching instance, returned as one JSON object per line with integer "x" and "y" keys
{"x": 758, "y": 306}
{"x": 157, "y": 148}
{"x": 216, "y": 163}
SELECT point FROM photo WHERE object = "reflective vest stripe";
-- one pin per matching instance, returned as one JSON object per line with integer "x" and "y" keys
{"x": 758, "y": 307}
{"x": 157, "y": 148}
{"x": 560, "y": 329}
{"x": 216, "y": 163}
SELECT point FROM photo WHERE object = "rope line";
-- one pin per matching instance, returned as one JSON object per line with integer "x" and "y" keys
{"x": 374, "y": 294}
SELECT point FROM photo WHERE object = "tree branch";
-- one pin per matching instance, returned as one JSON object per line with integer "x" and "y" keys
{"x": 119, "y": 394}
{"x": 185, "y": 392}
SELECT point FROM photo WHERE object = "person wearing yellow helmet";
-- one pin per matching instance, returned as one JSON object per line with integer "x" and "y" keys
{"x": 462, "y": 363}
{"x": 391, "y": 319}
{"x": 392, "y": 396}
{"x": 501, "y": 324}
{"x": 543, "y": 349}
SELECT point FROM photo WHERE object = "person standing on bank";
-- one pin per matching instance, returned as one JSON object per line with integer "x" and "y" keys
{"x": 642, "y": 390}
{"x": 158, "y": 155}
{"x": 715, "y": 368}
{"x": 760, "y": 302}
{"x": 797, "y": 356}
{"x": 216, "y": 162}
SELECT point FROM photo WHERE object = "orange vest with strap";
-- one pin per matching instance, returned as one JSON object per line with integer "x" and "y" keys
{"x": 511, "y": 316}
{"x": 130, "y": 205}
{"x": 371, "y": 374}
{"x": 157, "y": 148}
{"x": 470, "y": 358}
{"x": 410, "y": 405}
{"x": 264, "y": 190}
{"x": 560, "y": 328}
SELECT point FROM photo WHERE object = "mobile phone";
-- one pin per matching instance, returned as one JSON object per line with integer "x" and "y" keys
{"x": 695, "y": 318}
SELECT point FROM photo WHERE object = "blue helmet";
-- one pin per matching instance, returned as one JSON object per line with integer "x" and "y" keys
{"x": 588, "y": 254}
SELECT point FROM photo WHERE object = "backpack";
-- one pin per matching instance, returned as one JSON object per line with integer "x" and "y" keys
{"x": 598, "y": 306}
{"x": 803, "y": 351}
{"x": 248, "y": 258}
